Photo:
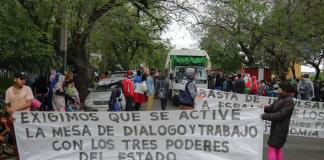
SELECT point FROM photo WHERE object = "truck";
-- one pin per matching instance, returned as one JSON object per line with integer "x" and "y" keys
{"x": 177, "y": 63}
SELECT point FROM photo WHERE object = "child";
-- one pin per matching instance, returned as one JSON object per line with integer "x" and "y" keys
{"x": 5, "y": 133}
{"x": 279, "y": 113}
{"x": 72, "y": 100}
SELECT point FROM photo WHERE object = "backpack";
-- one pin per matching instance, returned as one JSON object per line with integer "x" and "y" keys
{"x": 184, "y": 95}
{"x": 161, "y": 91}
{"x": 129, "y": 87}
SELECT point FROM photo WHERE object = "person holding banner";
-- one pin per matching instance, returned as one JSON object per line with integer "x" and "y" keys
{"x": 279, "y": 113}
{"x": 19, "y": 98}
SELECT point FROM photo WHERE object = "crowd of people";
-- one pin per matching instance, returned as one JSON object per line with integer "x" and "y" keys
{"x": 303, "y": 88}
{"x": 60, "y": 94}
{"x": 279, "y": 113}
{"x": 56, "y": 94}
{"x": 143, "y": 87}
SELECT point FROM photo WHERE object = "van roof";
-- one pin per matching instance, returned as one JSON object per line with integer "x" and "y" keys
{"x": 188, "y": 52}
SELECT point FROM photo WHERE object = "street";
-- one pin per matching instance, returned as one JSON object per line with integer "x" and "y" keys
{"x": 296, "y": 148}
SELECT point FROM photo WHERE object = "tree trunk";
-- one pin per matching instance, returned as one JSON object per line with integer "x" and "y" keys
{"x": 318, "y": 72}
{"x": 317, "y": 68}
{"x": 57, "y": 37}
{"x": 292, "y": 67}
{"x": 78, "y": 58}
{"x": 281, "y": 66}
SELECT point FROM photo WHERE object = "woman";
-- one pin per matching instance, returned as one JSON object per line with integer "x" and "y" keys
{"x": 254, "y": 87}
{"x": 248, "y": 84}
{"x": 279, "y": 113}
{"x": 139, "y": 96}
{"x": 162, "y": 87}
{"x": 150, "y": 91}
{"x": 59, "y": 95}
{"x": 71, "y": 97}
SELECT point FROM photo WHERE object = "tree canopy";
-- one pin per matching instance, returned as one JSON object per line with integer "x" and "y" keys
{"x": 274, "y": 34}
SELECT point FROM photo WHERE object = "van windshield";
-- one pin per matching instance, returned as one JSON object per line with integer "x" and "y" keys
{"x": 201, "y": 75}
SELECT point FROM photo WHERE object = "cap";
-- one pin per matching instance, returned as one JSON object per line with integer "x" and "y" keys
{"x": 20, "y": 75}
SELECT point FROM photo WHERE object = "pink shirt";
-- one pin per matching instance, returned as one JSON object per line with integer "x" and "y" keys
{"x": 18, "y": 99}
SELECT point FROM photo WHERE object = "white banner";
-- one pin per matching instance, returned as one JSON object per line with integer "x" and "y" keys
{"x": 307, "y": 119}
{"x": 226, "y": 134}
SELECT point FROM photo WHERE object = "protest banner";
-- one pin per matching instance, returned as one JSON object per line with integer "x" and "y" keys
{"x": 225, "y": 134}
{"x": 307, "y": 119}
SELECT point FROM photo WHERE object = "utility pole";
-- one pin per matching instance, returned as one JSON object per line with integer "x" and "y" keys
{"x": 63, "y": 39}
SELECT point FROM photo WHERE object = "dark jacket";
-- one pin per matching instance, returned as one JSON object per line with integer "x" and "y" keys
{"x": 115, "y": 95}
{"x": 239, "y": 86}
{"x": 279, "y": 113}
{"x": 163, "y": 83}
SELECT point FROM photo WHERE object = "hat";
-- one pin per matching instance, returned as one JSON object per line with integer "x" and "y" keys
{"x": 20, "y": 75}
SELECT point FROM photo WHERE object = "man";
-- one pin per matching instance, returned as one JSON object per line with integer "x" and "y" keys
{"x": 188, "y": 92}
{"x": 239, "y": 84}
{"x": 128, "y": 90}
{"x": 162, "y": 87}
{"x": 150, "y": 91}
{"x": 19, "y": 97}
{"x": 306, "y": 88}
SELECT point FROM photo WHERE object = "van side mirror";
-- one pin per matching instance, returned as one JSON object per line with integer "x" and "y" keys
{"x": 171, "y": 76}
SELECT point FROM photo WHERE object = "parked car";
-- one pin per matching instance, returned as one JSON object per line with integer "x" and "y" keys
{"x": 98, "y": 99}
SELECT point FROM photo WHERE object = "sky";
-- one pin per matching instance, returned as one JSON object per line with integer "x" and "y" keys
{"x": 181, "y": 38}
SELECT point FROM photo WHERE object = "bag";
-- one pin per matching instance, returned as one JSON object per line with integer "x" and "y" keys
{"x": 161, "y": 93}
{"x": 117, "y": 106}
{"x": 143, "y": 87}
{"x": 35, "y": 104}
{"x": 71, "y": 108}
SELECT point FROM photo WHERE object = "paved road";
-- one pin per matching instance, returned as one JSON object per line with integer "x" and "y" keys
{"x": 296, "y": 148}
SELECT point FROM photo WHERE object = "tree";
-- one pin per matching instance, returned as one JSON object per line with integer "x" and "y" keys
{"x": 81, "y": 30}
{"x": 228, "y": 60}
{"x": 236, "y": 24}
{"x": 23, "y": 47}
{"x": 81, "y": 17}
{"x": 128, "y": 39}
{"x": 293, "y": 34}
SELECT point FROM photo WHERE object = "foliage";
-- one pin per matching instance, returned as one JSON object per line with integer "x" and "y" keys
{"x": 220, "y": 57}
{"x": 274, "y": 33}
{"x": 128, "y": 39}
{"x": 236, "y": 25}
{"x": 294, "y": 34}
{"x": 30, "y": 31}
{"x": 22, "y": 46}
